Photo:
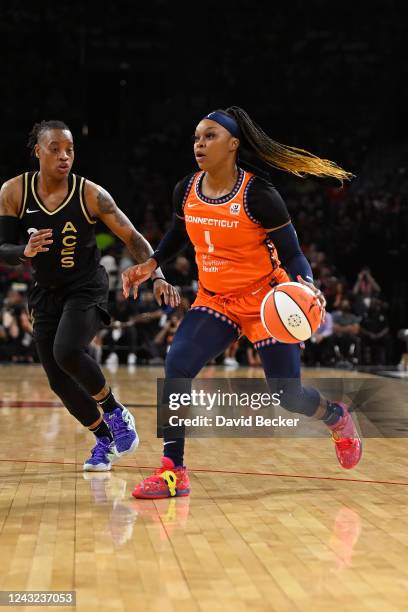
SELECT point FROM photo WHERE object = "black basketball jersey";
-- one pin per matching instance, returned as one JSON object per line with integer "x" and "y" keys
{"x": 73, "y": 255}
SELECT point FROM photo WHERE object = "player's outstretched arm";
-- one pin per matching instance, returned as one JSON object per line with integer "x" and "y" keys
{"x": 102, "y": 206}
{"x": 172, "y": 243}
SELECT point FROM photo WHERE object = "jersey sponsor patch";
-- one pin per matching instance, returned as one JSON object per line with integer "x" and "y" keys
{"x": 235, "y": 208}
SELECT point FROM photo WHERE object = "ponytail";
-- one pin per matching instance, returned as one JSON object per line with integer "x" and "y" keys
{"x": 290, "y": 159}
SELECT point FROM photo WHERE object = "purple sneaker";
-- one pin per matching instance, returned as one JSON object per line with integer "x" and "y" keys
{"x": 102, "y": 456}
{"x": 123, "y": 428}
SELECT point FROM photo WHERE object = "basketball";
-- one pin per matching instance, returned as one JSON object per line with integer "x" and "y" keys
{"x": 290, "y": 313}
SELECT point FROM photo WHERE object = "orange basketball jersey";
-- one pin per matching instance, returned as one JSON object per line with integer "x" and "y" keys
{"x": 233, "y": 252}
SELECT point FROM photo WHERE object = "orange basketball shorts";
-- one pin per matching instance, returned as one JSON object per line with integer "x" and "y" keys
{"x": 242, "y": 310}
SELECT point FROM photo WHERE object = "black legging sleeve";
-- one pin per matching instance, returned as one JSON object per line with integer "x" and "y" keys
{"x": 172, "y": 242}
{"x": 73, "y": 375}
{"x": 11, "y": 252}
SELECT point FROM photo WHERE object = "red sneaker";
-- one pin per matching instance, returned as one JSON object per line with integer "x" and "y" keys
{"x": 347, "y": 440}
{"x": 167, "y": 481}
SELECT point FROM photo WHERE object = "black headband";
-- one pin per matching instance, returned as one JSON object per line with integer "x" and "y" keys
{"x": 226, "y": 121}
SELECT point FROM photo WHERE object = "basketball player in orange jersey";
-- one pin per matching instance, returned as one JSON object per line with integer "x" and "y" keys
{"x": 56, "y": 211}
{"x": 241, "y": 232}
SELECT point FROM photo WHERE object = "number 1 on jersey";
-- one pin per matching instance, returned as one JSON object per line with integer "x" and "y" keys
{"x": 207, "y": 238}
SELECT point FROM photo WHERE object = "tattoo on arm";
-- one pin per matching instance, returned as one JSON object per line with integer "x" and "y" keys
{"x": 7, "y": 205}
{"x": 107, "y": 206}
{"x": 138, "y": 247}
{"x": 141, "y": 250}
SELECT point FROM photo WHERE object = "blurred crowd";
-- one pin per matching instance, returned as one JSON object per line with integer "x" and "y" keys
{"x": 358, "y": 329}
{"x": 310, "y": 77}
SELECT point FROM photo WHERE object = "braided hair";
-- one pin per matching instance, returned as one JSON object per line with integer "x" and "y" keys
{"x": 40, "y": 128}
{"x": 290, "y": 159}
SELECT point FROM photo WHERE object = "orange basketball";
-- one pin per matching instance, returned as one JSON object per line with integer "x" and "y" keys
{"x": 290, "y": 313}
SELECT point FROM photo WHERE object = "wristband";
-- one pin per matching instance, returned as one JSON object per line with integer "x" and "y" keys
{"x": 158, "y": 278}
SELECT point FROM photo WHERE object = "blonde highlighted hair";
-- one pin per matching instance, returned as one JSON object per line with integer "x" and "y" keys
{"x": 283, "y": 157}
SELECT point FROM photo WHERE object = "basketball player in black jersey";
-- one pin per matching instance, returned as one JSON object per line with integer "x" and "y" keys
{"x": 57, "y": 211}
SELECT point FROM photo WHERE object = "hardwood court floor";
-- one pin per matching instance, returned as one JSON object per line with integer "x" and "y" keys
{"x": 270, "y": 525}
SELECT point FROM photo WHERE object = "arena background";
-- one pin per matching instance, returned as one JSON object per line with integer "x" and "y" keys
{"x": 132, "y": 80}
{"x": 272, "y": 524}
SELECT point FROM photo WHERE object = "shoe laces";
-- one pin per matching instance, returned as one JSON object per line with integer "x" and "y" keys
{"x": 101, "y": 449}
{"x": 119, "y": 424}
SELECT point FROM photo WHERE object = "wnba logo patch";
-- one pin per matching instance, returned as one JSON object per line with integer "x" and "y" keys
{"x": 235, "y": 208}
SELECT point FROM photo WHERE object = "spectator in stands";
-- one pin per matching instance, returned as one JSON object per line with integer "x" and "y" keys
{"x": 319, "y": 349}
{"x": 164, "y": 337}
{"x": 108, "y": 261}
{"x": 150, "y": 227}
{"x": 124, "y": 262}
{"x": 250, "y": 355}
{"x": 120, "y": 341}
{"x": 340, "y": 294}
{"x": 366, "y": 287}
{"x": 230, "y": 355}
{"x": 146, "y": 320}
{"x": 182, "y": 274}
{"x": 376, "y": 338}
{"x": 346, "y": 328}
{"x": 328, "y": 283}
{"x": 17, "y": 328}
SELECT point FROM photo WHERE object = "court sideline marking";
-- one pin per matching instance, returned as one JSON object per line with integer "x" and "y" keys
{"x": 210, "y": 471}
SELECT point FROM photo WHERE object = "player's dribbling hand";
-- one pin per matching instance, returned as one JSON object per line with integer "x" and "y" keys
{"x": 170, "y": 295}
{"x": 321, "y": 300}
{"x": 38, "y": 242}
{"x": 134, "y": 276}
